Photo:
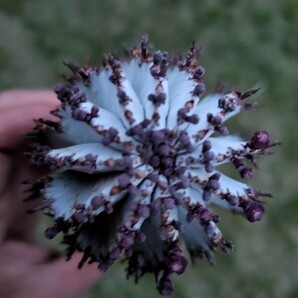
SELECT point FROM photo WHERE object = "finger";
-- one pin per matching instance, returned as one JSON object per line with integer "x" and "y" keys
{"x": 12, "y": 98}
{"x": 15, "y": 122}
{"x": 27, "y": 269}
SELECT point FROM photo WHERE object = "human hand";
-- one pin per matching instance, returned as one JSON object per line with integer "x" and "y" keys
{"x": 28, "y": 269}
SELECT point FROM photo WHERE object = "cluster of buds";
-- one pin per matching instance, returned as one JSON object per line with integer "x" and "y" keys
{"x": 133, "y": 163}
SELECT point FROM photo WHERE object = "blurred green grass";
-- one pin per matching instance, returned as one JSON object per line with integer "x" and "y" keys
{"x": 245, "y": 43}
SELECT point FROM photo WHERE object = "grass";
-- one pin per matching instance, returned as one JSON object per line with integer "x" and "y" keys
{"x": 246, "y": 43}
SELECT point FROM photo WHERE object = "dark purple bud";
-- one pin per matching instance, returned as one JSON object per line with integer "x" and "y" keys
{"x": 215, "y": 176}
{"x": 79, "y": 114}
{"x": 113, "y": 133}
{"x": 209, "y": 167}
{"x": 106, "y": 141}
{"x": 194, "y": 119}
{"x": 126, "y": 242}
{"x": 144, "y": 211}
{"x": 123, "y": 180}
{"x": 221, "y": 103}
{"x": 160, "y": 98}
{"x": 184, "y": 139}
{"x": 97, "y": 202}
{"x": 51, "y": 232}
{"x": 246, "y": 172}
{"x": 145, "y": 123}
{"x": 260, "y": 140}
{"x": 216, "y": 121}
{"x": 199, "y": 72}
{"x": 205, "y": 215}
{"x": 94, "y": 111}
{"x": 223, "y": 131}
{"x": 168, "y": 172}
{"x": 176, "y": 263}
{"x": 155, "y": 161}
{"x": 210, "y": 118}
{"x": 206, "y": 195}
{"x": 157, "y": 56}
{"x": 152, "y": 97}
{"x": 182, "y": 112}
{"x": 168, "y": 162}
{"x": 158, "y": 136}
{"x": 165, "y": 286}
{"x": 164, "y": 150}
{"x": 208, "y": 156}
{"x": 127, "y": 161}
{"x": 212, "y": 185}
{"x": 199, "y": 89}
{"x": 135, "y": 130}
{"x": 233, "y": 201}
{"x": 206, "y": 146}
{"x": 253, "y": 210}
{"x": 123, "y": 98}
{"x": 179, "y": 171}
{"x": 62, "y": 91}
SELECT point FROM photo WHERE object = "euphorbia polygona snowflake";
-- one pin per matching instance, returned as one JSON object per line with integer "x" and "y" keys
{"x": 134, "y": 161}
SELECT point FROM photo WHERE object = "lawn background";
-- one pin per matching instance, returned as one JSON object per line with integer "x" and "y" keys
{"x": 246, "y": 44}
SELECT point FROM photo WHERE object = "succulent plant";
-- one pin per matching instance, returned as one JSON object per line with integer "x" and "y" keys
{"x": 133, "y": 163}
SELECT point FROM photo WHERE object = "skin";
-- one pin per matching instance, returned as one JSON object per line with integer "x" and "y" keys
{"x": 26, "y": 267}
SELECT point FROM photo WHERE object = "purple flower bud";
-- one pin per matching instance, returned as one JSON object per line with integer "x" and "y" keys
{"x": 209, "y": 156}
{"x": 124, "y": 180}
{"x": 51, "y": 232}
{"x": 205, "y": 215}
{"x": 176, "y": 263}
{"x": 206, "y": 146}
{"x": 165, "y": 286}
{"x": 199, "y": 72}
{"x": 97, "y": 202}
{"x": 157, "y": 56}
{"x": 253, "y": 211}
{"x": 199, "y": 89}
{"x": 260, "y": 140}
{"x": 246, "y": 172}
{"x": 126, "y": 242}
{"x": 144, "y": 211}
{"x": 164, "y": 150}
{"x": 79, "y": 115}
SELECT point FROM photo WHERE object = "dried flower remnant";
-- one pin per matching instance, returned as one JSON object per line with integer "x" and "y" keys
{"x": 134, "y": 161}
